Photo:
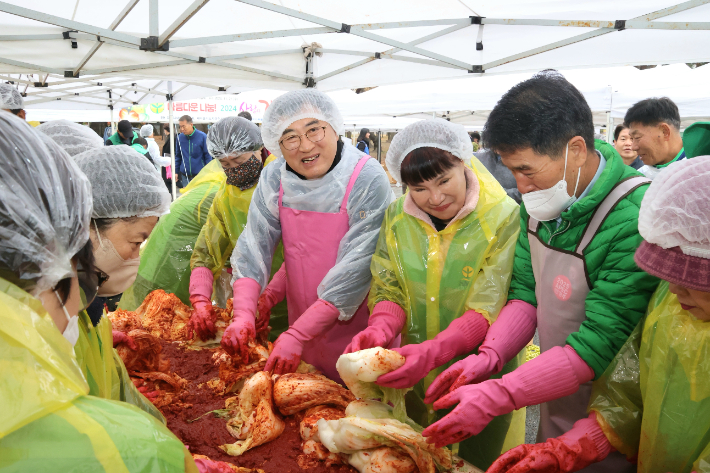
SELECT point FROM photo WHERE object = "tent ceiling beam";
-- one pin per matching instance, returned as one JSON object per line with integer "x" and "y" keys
{"x": 104, "y": 87}
{"x": 117, "y": 21}
{"x": 385, "y": 56}
{"x": 135, "y": 67}
{"x": 276, "y": 75}
{"x": 180, "y": 21}
{"x": 261, "y": 54}
{"x": 232, "y": 38}
{"x": 68, "y": 24}
{"x": 356, "y": 32}
{"x": 153, "y": 24}
{"x": 30, "y": 37}
{"x": 32, "y": 67}
{"x": 619, "y": 24}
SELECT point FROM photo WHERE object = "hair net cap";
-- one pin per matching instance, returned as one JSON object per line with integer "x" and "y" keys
{"x": 434, "y": 133}
{"x": 232, "y": 136}
{"x": 10, "y": 98}
{"x": 297, "y": 105}
{"x": 146, "y": 131}
{"x": 675, "y": 212}
{"x": 45, "y": 207}
{"x": 71, "y": 137}
{"x": 124, "y": 183}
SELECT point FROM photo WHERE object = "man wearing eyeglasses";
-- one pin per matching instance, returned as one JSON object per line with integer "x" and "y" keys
{"x": 325, "y": 200}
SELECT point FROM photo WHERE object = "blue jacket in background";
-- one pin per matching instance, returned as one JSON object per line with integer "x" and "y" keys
{"x": 191, "y": 153}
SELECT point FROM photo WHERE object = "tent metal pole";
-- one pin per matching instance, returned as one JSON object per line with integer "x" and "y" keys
{"x": 379, "y": 146}
{"x": 172, "y": 138}
{"x": 180, "y": 21}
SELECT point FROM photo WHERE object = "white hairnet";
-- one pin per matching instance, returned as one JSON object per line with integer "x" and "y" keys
{"x": 293, "y": 106}
{"x": 146, "y": 131}
{"x": 232, "y": 136}
{"x": 45, "y": 207}
{"x": 124, "y": 183}
{"x": 434, "y": 133}
{"x": 676, "y": 208}
{"x": 347, "y": 283}
{"x": 10, "y": 98}
{"x": 71, "y": 137}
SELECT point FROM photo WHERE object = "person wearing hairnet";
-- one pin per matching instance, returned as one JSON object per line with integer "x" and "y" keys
{"x": 574, "y": 277}
{"x": 48, "y": 419}
{"x": 236, "y": 143}
{"x": 653, "y": 402}
{"x": 71, "y": 137}
{"x": 158, "y": 159}
{"x": 11, "y": 100}
{"x": 127, "y": 204}
{"x": 326, "y": 201}
{"x": 441, "y": 270}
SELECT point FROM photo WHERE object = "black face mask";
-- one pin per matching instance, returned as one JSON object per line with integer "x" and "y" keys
{"x": 246, "y": 175}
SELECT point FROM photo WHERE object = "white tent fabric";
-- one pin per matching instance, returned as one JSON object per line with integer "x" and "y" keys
{"x": 237, "y": 45}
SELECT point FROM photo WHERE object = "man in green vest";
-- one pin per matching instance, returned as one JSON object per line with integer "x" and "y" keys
{"x": 654, "y": 125}
{"x": 124, "y": 136}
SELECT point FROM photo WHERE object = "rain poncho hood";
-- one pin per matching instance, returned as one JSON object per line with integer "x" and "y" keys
{"x": 232, "y": 136}
{"x": 71, "y": 137}
{"x": 45, "y": 207}
{"x": 297, "y": 105}
{"x": 434, "y": 133}
{"x": 124, "y": 183}
{"x": 653, "y": 402}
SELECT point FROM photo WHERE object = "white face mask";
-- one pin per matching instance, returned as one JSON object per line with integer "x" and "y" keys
{"x": 121, "y": 272}
{"x": 71, "y": 332}
{"x": 548, "y": 204}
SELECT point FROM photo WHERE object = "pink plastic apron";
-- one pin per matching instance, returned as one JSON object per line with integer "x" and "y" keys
{"x": 311, "y": 241}
{"x": 561, "y": 288}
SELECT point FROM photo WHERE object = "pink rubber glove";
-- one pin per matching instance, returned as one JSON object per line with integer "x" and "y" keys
{"x": 512, "y": 330}
{"x": 460, "y": 337}
{"x": 272, "y": 295}
{"x": 203, "y": 317}
{"x": 316, "y": 320}
{"x": 554, "y": 374}
{"x": 383, "y": 326}
{"x": 582, "y": 446}
{"x": 122, "y": 337}
{"x": 211, "y": 466}
{"x": 242, "y": 329}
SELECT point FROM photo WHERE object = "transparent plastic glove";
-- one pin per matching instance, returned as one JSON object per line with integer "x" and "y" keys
{"x": 242, "y": 329}
{"x": 385, "y": 323}
{"x": 582, "y": 446}
{"x": 316, "y": 320}
{"x": 272, "y": 295}
{"x": 203, "y": 317}
{"x": 459, "y": 338}
{"x": 554, "y": 374}
{"x": 122, "y": 337}
{"x": 512, "y": 330}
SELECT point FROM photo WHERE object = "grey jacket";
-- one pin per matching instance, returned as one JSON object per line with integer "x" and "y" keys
{"x": 495, "y": 166}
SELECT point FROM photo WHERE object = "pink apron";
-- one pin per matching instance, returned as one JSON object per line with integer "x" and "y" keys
{"x": 311, "y": 241}
{"x": 561, "y": 288}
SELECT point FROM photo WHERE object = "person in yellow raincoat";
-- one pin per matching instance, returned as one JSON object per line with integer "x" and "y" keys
{"x": 48, "y": 420}
{"x": 653, "y": 402}
{"x": 441, "y": 271}
{"x": 235, "y": 143}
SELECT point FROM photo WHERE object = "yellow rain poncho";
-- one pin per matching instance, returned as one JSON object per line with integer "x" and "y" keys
{"x": 653, "y": 402}
{"x": 225, "y": 222}
{"x": 165, "y": 258}
{"x": 437, "y": 276}
{"x": 47, "y": 420}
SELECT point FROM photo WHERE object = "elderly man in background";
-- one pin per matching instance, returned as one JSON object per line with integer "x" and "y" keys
{"x": 191, "y": 153}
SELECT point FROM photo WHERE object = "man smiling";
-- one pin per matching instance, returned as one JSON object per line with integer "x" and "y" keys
{"x": 574, "y": 276}
{"x": 325, "y": 200}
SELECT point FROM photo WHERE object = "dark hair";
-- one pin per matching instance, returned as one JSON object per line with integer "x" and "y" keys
{"x": 166, "y": 128}
{"x": 16, "y": 110}
{"x": 618, "y": 130}
{"x": 475, "y": 135}
{"x": 542, "y": 113}
{"x": 422, "y": 164}
{"x": 653, "y": 111}
{"x": 245, "y": 114}
{"x": 185, "y": 118}
{"x": 361, "y": 136}
{"x": 125, "y": 127}
{"x": 141, "y": 141}
{"x": 104, "y": 224}
{"x": 84, "y": 259}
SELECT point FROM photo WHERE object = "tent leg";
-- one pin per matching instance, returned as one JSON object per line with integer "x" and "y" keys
{"x": 609, "y": 131}
{"x": 379, "y": 146}
{"x": 172, "y": 137}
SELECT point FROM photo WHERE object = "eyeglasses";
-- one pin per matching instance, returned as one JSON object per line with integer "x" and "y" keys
{"x": 314, "y": 135}
{"x": 90, "y": 282}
